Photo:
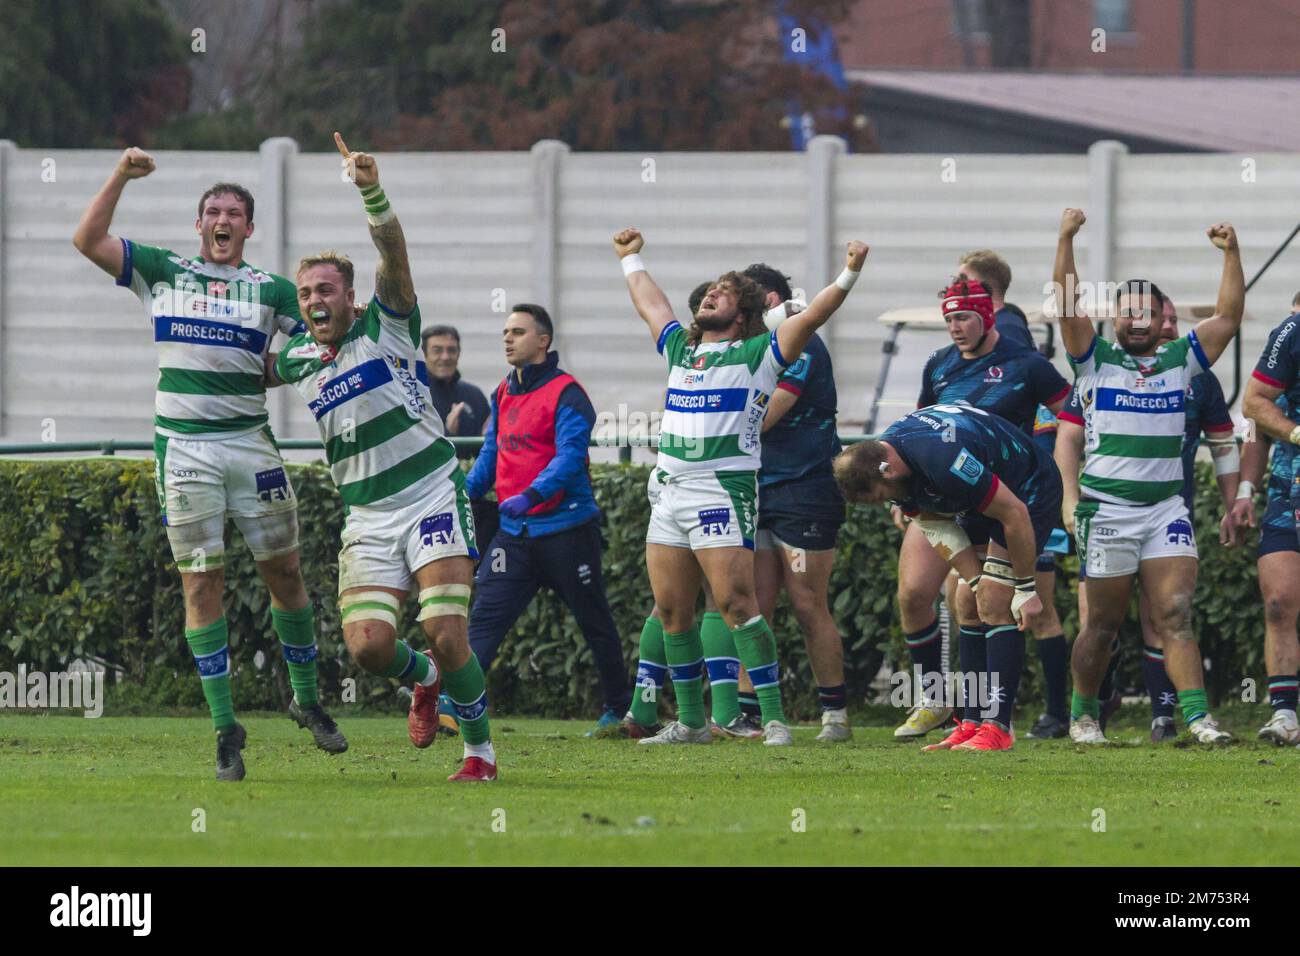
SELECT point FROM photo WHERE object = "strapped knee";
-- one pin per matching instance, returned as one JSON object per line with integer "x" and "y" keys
{"x": 444, "y": 599}
{"x": 198, "y": 546}
{"x": 270, "y": 536}
{"x": 369, "y": 606}
{"x": 998, "y": 570}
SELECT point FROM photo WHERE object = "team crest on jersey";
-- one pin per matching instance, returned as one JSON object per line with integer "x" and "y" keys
{"x": 216, "y": 288}
{"x": 993, "y": 374}
{"x": 700, "y": 361}
{"x": 967, "y": 467}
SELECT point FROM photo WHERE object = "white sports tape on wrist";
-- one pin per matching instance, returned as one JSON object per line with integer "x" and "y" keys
{"x": 774, "y": 316}
{"x": 382, "y": 218}
{"x": 632, "y": 264}
{"x": 1018, "y": 600}
{"x": 944, "y": 535}
{"x": 1245, "y": 489}
{"x": 369, "y": 606}
{"x": 846, "y": 279}
{"x": 1295, "y": 436}
{"x": 444, "y": 599}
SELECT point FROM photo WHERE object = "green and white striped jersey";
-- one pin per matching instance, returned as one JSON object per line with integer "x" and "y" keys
{"x": 383, "y": 439}
{"x": 1134, "y": 413}
{"x": 717, "y": 396}
{"x": 212, "y": 325}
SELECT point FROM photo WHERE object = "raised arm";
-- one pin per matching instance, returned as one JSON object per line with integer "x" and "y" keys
{"x": 650, "y": 302}
{"x": 1076, "y": 329}
{"x": 1217, "y": 331}
{"x": 92, "y": 237}
{"x": 394, "y": 287}
{"x": 793, "y": 334}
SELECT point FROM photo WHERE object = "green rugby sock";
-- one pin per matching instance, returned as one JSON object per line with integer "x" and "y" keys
{"x": 297, "y": 633}
{"x": 212, "y": 657}
{"x": 650, "y": 672}
{"x": 757, "y": 646}
{"x": 469, "y": 697}
{"x": 1194, "y": 704}
{"x": 1080, "y": 705}
{"x": 409, "y": 663}
{"x": 723, "y": 664}
{"x": 685, "y": 655}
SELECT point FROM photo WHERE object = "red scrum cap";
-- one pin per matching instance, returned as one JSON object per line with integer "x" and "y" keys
{"x": 967, "y": 295}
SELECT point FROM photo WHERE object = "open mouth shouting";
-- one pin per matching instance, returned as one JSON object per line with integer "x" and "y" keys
{"x": 221, "y": 239}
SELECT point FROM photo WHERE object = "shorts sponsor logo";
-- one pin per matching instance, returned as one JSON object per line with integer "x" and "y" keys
{"x": 437, "y": 529}
{"x": 184, "y": 473}
{"x": 715, "y": 521}
{"x": 967, "y": 467}
{"x": 1105, "y": 532}
{"x": 1179, "y": 532}
{"x": 272, "y": 485}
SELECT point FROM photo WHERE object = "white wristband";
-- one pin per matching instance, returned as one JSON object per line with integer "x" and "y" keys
{"x": 632, "y": 264}
{"x": 846, "y": 279}
{"x": 1294, "y": 437}
{"x": 1245, "y": 489}
{"x": 385, "y": 216}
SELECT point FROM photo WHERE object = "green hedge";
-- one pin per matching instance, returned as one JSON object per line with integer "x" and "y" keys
{"x": 85, "y": 572}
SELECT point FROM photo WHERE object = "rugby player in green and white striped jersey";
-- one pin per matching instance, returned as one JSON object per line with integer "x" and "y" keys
{"x": 722, "y": 372}
{"x": 1131, "y": 520}
{"x": 213, "y": 318}
{"x": 408, "y": 520}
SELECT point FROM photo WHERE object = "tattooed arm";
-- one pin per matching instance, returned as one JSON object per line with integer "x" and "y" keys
{"x": 393, "y": 284}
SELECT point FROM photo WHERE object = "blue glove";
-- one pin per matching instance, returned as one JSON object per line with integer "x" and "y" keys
{"x": 516, "y": 506}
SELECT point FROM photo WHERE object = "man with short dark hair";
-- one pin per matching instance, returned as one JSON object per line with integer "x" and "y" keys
{"x": 463, "y": 407}
{"x": 213, "y": 317}
{"x": 535, "y": 456}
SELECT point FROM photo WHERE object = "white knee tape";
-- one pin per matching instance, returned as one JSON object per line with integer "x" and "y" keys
{"x": 442, "y": 599}
{"x": 269, "y": 536}
{"x": 198, "y": 546}
{"x": 998, "y": 570}
{"x": 370, "y": 606}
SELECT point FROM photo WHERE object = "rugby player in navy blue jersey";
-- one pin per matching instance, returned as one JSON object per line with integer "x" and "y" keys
{"x": 1206, "y": 412}
{"x": 1273, "y": 402}
{"x": 960, "y": 471}
{"x": 985, "y": 369}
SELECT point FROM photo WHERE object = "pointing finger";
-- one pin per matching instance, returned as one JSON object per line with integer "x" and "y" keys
{"x": 343, "y": 147}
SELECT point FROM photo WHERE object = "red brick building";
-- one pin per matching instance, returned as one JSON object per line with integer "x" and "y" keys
{"x": 1141, "y": 36}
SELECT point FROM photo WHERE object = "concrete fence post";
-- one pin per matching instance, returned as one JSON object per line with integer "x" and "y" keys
{"x": 547, "y": 157}
{"x": 1104, "y": 157}
{"x": 272, "y": 218}
{"x": 8, "y": 156}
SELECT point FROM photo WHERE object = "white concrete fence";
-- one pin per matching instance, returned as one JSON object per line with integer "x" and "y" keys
{"x": 486, "y": 230}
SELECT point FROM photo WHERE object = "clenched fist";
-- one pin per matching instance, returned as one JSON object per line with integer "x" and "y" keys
{"x": 1223, "y": 236}
{"x": 628, "y": 242}
{"x": 857, "y": 255}
{"x": 362, "y": 168}
{"x": 135, "y": 163}
{"x": 1072, "y": 221}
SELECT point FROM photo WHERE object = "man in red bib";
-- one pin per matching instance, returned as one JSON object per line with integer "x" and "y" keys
{"x": 535, "y": 456}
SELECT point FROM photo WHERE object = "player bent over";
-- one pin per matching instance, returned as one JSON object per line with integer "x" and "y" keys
{"x": 953, "y": 467}
{"x": 722, "y": 373}
{"x": 213, "y": 317}
{"x": 1131, "y": 521}
{"x": 408, "y": 517}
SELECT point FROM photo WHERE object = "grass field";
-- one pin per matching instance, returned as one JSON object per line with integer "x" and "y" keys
{"x": 124, "y": 791}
